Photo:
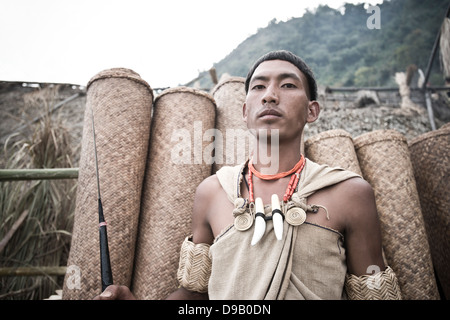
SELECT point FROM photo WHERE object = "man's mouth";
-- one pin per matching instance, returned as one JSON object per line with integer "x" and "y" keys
{"x": 269, "y": 113}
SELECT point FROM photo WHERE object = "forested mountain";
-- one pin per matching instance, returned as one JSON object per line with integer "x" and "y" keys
{"x": 342, "y": 50}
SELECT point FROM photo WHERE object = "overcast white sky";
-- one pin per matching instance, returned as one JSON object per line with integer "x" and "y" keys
{"x": 167, "y": 41}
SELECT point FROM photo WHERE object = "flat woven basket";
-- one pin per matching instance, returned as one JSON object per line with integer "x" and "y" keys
{"x": 229, "y": 95}
{"x": 180, "y": 120}
{"x": 430, "y": 155}
{"x": 121, "y": 103}
{"x": 385, "y": 163}
{"x": 334, "y": 148}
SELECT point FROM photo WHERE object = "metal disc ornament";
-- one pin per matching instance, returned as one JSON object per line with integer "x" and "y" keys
{"x": 243, "y": 221}
{"x": 295, "y": 216}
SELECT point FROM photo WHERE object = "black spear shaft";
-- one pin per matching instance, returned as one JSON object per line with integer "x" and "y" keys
{"x": 105, "y": 264}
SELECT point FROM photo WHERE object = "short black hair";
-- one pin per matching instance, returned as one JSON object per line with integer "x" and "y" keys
{"x": 289, "y": 57}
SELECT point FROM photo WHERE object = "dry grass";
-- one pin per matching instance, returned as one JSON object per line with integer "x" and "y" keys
{"x": 43, "y": 237}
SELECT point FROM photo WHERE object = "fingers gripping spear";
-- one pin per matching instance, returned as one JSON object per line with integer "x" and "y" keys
{"x": 105, "y": 264}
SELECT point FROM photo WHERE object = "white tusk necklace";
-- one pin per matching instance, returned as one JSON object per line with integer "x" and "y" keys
{"x": 277, "y": 215}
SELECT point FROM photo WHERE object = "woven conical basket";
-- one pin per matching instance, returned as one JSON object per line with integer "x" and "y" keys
{"x": 229, "y": 95}
{"x": 181, "y": 119}
{"x": 121, "y": 103}
{"x": 385, "y": 163}
{"x": 334, "y": 148}
{"x": 430, "y": 155}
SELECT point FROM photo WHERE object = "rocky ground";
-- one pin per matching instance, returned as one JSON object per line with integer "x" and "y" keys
{"x": 342, "y": 111}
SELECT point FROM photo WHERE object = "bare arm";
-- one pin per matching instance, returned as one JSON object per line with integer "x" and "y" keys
{"x": 362, "y": 231}
{"x": 204, "y": 198}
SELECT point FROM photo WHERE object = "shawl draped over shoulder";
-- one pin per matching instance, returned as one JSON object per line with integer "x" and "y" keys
{"x": 309, "y": 262}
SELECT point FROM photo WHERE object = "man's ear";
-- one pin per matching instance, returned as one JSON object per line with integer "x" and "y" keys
{"x": 244, "y": 112}
{"x": 313, "y": 111}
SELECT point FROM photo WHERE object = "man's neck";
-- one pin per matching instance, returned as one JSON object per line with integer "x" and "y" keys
{"x": 271, "y": 160}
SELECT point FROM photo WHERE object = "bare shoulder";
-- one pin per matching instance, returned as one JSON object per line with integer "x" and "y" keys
{"x": 211, "y": 211}
{"x": 356, "y": 187}
{"x": 358, "y": 199}
{"x": 208, "y": 187}
{"x": 346, "y": 201}
{"x": 201, "y": 229}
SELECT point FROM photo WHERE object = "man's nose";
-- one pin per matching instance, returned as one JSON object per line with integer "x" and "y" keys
{"x": 270, "y": 96}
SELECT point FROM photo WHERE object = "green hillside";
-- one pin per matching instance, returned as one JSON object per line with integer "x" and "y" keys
{"x": 342, "y": 50}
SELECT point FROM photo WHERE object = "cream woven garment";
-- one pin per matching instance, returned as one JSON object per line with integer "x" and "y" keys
{"x": 308, "y": 263}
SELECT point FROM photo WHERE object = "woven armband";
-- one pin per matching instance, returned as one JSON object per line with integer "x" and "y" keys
{"x": 195, "y": 266}
{"x": 380, "y": 286}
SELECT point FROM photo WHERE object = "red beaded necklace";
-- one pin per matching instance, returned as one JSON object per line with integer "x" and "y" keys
{"x": 292, "y": 183}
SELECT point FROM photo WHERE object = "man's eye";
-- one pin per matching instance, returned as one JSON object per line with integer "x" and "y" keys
{"x": 258, "y": 87}
{"x": 289, "y": 85}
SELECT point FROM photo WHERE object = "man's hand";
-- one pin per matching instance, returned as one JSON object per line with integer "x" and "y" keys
{"x": 115, "y": 292}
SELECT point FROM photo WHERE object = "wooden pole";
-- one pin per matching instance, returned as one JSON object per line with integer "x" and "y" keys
{"x": 433, "y": 52}
{"x": 213, "y": 74}
{"x": 427, "y": 75}
{"x": 38, "y": 174}
{"x": 32, "y": 271}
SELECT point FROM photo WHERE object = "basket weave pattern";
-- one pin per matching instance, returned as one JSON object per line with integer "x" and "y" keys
{"x": 121, "y": 103}
{"x": 230, "y": 97}
{"x": 381, "y": 286}
{"x": 385, "y": 163}
{"x": 169, "y": 190}
{"x": 334, "y": 148}
{"x": 195, "y": 266}
{"x": 430, "y": 155}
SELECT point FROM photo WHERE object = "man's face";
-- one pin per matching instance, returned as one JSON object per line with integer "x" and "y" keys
{"x": 277, "y": 99}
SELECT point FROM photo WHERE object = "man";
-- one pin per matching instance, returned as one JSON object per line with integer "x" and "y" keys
{"x": 329, "y": 232}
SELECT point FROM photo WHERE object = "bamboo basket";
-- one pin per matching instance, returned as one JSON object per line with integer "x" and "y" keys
{"x": 385, "y": 163}
{"x": 430, "y": 155}
{"x": 121, "y": 103}
{"x": 334, "y": 148}
{"x": 181, "y": 117}
{"x": 229, "y": 95}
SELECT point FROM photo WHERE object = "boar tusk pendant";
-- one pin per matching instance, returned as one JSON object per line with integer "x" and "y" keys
{"x": 277, "y": 217}
{"x": 260, "y": 222}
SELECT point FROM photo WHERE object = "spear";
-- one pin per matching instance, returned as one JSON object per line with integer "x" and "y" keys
{"x": 105, "y": 264}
